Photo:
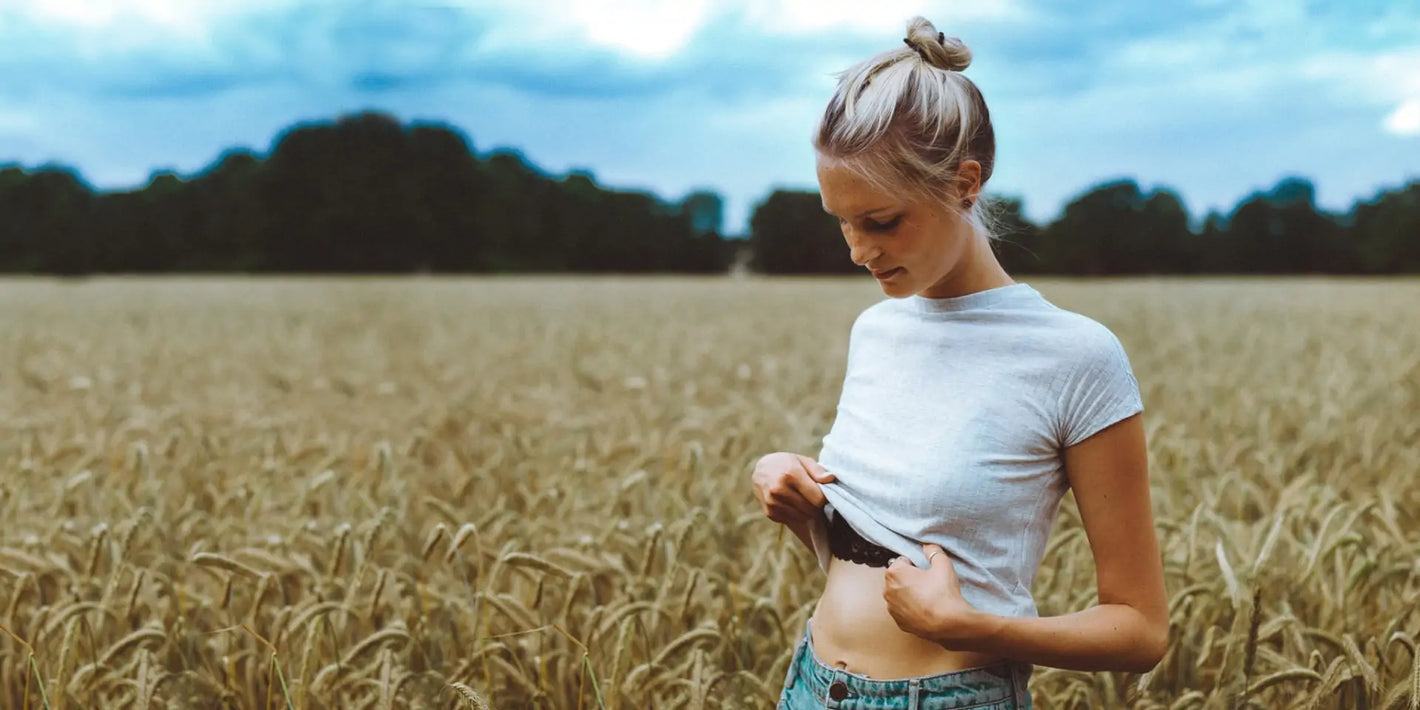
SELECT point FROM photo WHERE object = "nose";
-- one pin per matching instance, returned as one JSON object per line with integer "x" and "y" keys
{"x": 861, "y": 251}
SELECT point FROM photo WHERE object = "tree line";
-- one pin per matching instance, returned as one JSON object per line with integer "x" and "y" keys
{"x": 1117, "y": 228}
{"x": 366, "y": 194}
{"x": 363, "y": 194}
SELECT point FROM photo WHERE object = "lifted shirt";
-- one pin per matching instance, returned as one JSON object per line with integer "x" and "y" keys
{"x": 951, "y": 429}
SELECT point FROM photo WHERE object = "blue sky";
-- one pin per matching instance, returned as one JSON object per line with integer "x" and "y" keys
{"x": 1213, "y": 98}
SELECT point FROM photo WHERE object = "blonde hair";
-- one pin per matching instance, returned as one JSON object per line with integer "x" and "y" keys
{"x": 905, "y": 119}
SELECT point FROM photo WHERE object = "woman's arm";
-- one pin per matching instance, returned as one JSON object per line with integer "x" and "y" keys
{"x": 1128, "y": 630}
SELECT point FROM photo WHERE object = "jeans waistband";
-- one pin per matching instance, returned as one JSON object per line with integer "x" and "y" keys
{"x": 1002, "y": 680}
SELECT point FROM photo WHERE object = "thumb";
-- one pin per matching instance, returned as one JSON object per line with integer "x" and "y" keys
{"x": 930, "y": 549}
{"x": 817, "y": 471}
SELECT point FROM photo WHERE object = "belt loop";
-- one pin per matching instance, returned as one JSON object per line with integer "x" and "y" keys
{"x": 1020, "y": 684}
{"x": 795, "y": 659}
{"x": 914, "y": 690}
{"x": 793, "y": 673}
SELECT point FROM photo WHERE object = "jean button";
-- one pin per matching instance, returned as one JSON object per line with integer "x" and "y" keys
{"x": 838, "y": 690}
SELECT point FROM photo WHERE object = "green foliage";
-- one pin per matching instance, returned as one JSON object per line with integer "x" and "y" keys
{"x": 1117, "y": 228}
{"x": 791, "y": 234}
{"x": 364, "y": 195}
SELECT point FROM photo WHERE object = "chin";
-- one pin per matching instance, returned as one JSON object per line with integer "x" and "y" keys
{"x": 896, "y": 290}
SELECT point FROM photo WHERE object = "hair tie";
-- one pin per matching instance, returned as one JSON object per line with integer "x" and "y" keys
{"x": 917, "y": 48}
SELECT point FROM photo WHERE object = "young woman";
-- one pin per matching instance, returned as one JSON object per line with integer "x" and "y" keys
{"x": 969, "y": 406}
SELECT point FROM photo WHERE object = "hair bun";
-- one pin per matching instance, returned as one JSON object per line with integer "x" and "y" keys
{"x": 936, "y": 48}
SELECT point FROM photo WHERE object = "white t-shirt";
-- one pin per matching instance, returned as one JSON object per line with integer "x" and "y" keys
{"x": 952, "y": 424}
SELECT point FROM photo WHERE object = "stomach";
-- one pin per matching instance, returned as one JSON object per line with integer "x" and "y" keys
{"x": 852, "y": 629}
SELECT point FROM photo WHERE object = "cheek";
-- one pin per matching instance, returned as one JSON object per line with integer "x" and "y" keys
{"x": 946, "y": 244}
{"x": 916, "y": 247}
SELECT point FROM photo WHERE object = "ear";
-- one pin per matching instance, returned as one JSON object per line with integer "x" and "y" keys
{"x": 969, "y": 178}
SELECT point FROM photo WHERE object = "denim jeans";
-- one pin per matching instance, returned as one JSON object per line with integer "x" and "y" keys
{"x": 812, "y": 684}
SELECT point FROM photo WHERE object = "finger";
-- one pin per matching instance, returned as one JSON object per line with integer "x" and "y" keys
{"x": 787, "y": 513}
{"x": 816, "y": 470}
{"x": 782, "y": 511}
{"x": 809, "y": 489}
{"x": 942, "y": 564}
{"x": 792, "y": 501}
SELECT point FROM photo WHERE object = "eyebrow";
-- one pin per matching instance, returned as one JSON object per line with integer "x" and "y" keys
{"x": 864, "y": 213}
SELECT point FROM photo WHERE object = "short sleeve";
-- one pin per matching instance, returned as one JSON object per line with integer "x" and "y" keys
{"x": 1101, "y": 389}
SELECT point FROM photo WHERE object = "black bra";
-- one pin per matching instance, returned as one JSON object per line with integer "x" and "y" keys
{"x": 846, "y": 544}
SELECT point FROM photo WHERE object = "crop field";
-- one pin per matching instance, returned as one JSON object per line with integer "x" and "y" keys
{"x": 534, "y": 492}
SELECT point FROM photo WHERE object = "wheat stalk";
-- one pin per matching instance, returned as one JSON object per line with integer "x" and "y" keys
{"x": 495, "y": 480}
{"x": 471, "y": 699}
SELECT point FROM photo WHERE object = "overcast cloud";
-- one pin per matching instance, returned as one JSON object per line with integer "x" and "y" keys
{"x": 1215, "y": 99}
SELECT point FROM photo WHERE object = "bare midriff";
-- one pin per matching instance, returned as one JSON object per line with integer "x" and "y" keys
{"x": 852, "y": 629}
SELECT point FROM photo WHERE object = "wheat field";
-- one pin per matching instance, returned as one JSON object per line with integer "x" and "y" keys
{"x": 533, "y": 492}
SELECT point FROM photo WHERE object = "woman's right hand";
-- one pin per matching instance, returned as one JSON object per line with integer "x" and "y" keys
{"x": 787, "y": 487}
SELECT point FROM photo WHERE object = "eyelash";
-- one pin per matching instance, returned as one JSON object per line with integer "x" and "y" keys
{"x": 887, "y": 226}
{"x": 872, "y": 226}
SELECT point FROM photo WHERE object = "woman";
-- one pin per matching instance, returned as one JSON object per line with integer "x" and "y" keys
{"x": 969, "y": 406}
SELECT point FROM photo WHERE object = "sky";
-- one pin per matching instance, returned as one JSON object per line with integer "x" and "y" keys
{"x": 1215, "y": 99}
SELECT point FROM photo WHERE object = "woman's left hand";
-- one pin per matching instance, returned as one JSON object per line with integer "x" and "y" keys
{"x": 928, "y": 602}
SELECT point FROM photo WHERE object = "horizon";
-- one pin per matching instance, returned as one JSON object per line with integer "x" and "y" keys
{"x": 1196, "y": 218}
{"x": 1213, "y": 101}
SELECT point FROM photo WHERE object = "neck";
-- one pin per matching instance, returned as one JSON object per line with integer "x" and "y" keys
{"x": 977, "y": 271}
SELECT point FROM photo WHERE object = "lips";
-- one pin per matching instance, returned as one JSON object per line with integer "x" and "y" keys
{"x": 888, "y": 273}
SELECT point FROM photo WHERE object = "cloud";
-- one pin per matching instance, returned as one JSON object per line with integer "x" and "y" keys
{"x": 649, "y": 29}
{"x": 621, "y": 48}
{"x": 1216, "y": 98}
{"x": 613, "y": 48}
{"x": 820, "y": 17}
{"x": 1405, "y": 119}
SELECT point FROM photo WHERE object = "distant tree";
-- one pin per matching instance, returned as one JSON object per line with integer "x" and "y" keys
{"x": 43, "y": 218}
{"x": 445, "y": 181}
{"x": 1281, "y": 231}
{"x": 791, "y": 234}
{"x": 1168, "y": 245}
{"x": 705, "y": 210}
{"x": 365, "y": 193}
{"x": 230, "y": 221}
{"x": 1115, "y": 228}
{"x": 1385, "y": 232}
{"x": 1213, "y": 254}
{"x": 706, "y": 251}
{"x": 510, "y": 215}
{"x": 342, "y": 197}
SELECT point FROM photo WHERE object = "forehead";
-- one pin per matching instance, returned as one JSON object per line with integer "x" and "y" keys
{"x": 846, "y": 192}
